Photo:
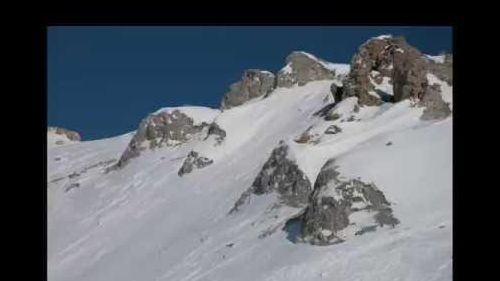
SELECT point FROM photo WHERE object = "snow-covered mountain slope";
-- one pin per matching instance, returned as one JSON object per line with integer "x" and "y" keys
{"x": 144, "y": 222}
{"x": 61, "y": 136}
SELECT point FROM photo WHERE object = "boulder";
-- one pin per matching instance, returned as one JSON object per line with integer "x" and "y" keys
{"x": 334, "y": 200}
{"x": 193, "y": 161}
{"x": 254, "y": 83}
{"x": 168, "y": 128}
{"x": 302, "y": 68}
{"x": 281, "y": 175}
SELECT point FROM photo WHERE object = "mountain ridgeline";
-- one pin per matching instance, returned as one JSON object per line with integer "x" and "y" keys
{"x": 385, "y": 69}
{"x": 318, "y": 171}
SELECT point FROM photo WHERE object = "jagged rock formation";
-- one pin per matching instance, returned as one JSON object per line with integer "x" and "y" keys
{"x": 435, "y": 106}
{"x": 71, "y": 135}
{"x": 334, "y": 200}
{"x": 193, "y": 161}
{"x": 164, "y": 128}
{"x": 443, "y": 70}
{"x": 218, "y": 132}
{"x": 254, "y": 83}
{"x": 391, "y": 60}
{"x": 302, "y": 68}
{"x": 333, "y": 129}
{"x": 282, "y": 175}
{"x": 337, "y": 92}
{"x": 372, "y": 62}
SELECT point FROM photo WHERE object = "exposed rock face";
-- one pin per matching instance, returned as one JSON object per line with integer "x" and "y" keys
{"x": 302, "y": 68}
{"x": 165, "y": 128}
{"x": 333, "y": 201}
{"x": 71, "y": 135}
{"x": 435, "y": 106}
{"x": 393, "y": 60}
{"x": 282, "y": 175}
{"x": 333, "y": 129}
{"x": 410, "y": 73}
{"x": 254, "y": 83}
{"x": 444, "y": 70}
{"x": 372, "y": 62}
{"x": 215, "y": 130}
{"x": 193, "y": 161}
{"x": 337, "y": 92}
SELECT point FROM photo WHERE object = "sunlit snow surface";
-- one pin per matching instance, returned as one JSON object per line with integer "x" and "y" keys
{"x": 144, "y": 222}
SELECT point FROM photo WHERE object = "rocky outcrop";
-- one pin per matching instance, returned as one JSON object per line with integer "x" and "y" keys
{"x": 193, "y": 161}
{"x": 302, "y": 68}
{"x": 69, "y": 134}
{"x": 281, "y": 175}
{"x": 372, "y": 62}
{"x": 333, "y": 202}
{"x": 218, "y": 132}
{"x": 161, "y": 129}
{"x": 435, "y": 107}
{"x": 443, "y": 70}
{"x": 391, "y": 60}
{"x": 333, "y": 129}
{"x": 254, "y": 83}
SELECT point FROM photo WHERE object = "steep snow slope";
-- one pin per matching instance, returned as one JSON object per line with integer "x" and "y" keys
{"x": 144, "y": 222}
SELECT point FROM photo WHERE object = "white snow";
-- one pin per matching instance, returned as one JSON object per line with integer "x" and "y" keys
{"x": 385, "y": 86}
{"x": 287, "y": 69}
{"x": 54, "y": 139}
{"x": 198, "y": 113}
{"x": 437, "y": 59}
{"x": 339, "y": 68}
{"x": 384, "y": 36}
{"x": 144, "y": 222}
{"x": 446, "y": 90}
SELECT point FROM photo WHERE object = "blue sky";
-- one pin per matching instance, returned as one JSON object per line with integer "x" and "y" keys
{"x": 103, "y": 80}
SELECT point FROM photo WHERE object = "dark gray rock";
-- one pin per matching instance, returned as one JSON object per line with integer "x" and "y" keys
{"x": 193, "y": 161}
{"x": 215, "y": 130}
{"x": 334, "y": 200}
{"x": 332, "y": 116}
{"x": 443, "y": 71}
{"x": 161, "y": 129}
{"x": 305, "y": 137}
{"x": 72, "y": 186}
{"x": 435, "y": 106}
{"x": 333, "y": 129}
{"x": 254, "y": 83}
{"x": 281, "y": 175}
{"x": 337, "y": 92}
{"x": 302, "y": 68}
{"x": 366, "y": 229}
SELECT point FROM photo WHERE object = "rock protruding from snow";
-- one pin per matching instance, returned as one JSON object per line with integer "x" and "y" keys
{"x": 372, "y": 62}
{"x": 435, "y": 106}
{"x": 443, "y": 68}
{"x": 218, "y": 132}
{"x": 334, "y": 202}
{"x": 386, "y": 62}
{"x": 302, "y": 68}
{"x": 166, "y": 128}
{"x": 254, "y": 83}
{"x": 333, "y": 129}
{"x": 59, "y": 136}
{"x": 193, "y": 161}
{"x": 70, "y": 134}
{"x": 282, "y": 175}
